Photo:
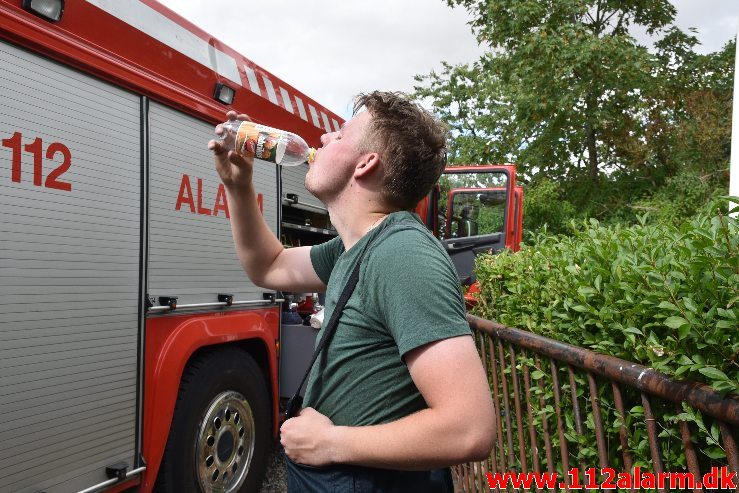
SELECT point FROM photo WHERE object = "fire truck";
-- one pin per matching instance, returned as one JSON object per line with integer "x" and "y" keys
{"x": 134, "y": 352}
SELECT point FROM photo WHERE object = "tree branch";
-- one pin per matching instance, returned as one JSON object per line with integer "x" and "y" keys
{"x": 598, "y": 20}
{"x": 611, "y": 15}
{"x": 619, "y": 24}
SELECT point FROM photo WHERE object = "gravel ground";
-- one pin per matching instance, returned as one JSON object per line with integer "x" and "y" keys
{"x": 275, "y": 480}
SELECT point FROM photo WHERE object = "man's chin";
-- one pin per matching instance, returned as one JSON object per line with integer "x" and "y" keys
{"x": 312, "y": 191}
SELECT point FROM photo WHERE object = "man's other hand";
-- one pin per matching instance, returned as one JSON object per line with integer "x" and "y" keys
{"x": 307, "y": 438}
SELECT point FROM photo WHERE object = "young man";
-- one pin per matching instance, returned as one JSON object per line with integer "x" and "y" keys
{"x": 400, "y": 390}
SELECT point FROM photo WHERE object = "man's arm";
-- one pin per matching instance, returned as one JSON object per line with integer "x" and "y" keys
{"x": 267, "y": 263}
{"x": 457, "y": 427}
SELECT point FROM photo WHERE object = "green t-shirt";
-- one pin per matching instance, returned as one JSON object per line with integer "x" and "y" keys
{"x": 407, "y": 296}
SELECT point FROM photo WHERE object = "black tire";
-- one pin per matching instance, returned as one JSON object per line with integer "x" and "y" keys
{"x": 218, "y": 391}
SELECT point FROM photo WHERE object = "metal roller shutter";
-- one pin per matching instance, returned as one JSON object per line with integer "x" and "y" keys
{"x": 191, "y": 251}
{"x": 69, "y": 275}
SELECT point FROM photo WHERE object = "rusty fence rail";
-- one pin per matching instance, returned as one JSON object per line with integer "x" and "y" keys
{"x": 559, "y": 407}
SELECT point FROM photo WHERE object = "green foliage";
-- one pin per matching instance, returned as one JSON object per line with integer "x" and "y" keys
{"x": 658, "y": 294}
{"x": 566, "y": 93}
{"x": 545, "y": 207}
{"x": 563, "y": 88}
{"x": 682, "y": 195}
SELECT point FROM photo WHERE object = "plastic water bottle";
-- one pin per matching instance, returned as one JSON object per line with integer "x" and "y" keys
{"x": 265, "y": 143}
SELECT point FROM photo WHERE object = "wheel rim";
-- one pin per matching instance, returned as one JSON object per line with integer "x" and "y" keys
{"x": 225, "y": 443}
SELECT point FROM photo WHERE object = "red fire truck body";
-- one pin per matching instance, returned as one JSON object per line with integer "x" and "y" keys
{"x": 133, "y": 349}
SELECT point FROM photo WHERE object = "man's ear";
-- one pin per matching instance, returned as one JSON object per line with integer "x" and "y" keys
{"x": 367, "y": 165}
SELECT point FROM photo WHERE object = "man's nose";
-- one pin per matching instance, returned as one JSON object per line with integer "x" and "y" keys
{"x": 326, "y": 138}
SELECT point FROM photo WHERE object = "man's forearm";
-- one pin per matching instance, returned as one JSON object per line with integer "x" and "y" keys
{"x": 458, "y": 425}
{"x": 256, "y": 244}
{"x": 420, "y": 441}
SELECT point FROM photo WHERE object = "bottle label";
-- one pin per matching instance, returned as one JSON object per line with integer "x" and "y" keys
{"x": 260, "y": 141}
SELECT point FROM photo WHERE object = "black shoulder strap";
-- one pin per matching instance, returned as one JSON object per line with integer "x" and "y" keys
{"x": 296, "y": 401}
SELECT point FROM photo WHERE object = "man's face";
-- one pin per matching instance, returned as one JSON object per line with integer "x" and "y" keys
{"x": 337, "y": 158}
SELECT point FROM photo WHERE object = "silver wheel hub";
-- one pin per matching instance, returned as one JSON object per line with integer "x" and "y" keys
{"x": 225, "y": 444}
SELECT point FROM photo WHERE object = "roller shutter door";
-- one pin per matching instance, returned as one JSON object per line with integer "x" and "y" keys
{"x": 191, "y": 250}
{"x": 69, "y": 275}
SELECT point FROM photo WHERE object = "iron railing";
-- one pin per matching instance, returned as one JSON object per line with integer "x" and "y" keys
{"x": 574, "y": 398}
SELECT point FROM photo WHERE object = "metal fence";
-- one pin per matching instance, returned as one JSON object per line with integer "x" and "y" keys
{"x": 560, "y": 407}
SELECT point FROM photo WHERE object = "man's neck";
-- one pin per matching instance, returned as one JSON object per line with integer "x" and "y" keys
{"x": 353, "y": 224}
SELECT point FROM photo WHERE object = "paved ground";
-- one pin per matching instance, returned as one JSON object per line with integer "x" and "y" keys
{"x": 275, "y": 480}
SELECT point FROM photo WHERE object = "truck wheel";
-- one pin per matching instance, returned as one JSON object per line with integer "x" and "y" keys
{"x": 220, "y": 434}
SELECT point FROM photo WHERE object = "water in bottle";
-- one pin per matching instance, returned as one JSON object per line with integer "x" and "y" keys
{"x": 265, "y": 143}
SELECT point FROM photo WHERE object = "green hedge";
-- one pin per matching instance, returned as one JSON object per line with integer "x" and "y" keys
{"x": 656, "y": 294}
{"x": 660, "y": 295}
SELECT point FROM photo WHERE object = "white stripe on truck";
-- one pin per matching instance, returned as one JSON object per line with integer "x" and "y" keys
{"x": 270, "y": 89}
{"x": 166, "y": 31}
{"x": 286, "y": 100}
{"x": 251, "y": 76}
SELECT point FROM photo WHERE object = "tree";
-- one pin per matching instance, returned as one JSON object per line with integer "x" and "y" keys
{"x": 700, "y": 90}
{"x": 564, "y": 88}
{"x": 569, "y": 95}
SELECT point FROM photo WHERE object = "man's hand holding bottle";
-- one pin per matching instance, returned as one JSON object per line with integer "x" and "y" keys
{"x": 235, "y": 169}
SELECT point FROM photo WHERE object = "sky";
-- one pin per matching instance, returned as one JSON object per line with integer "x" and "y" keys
{"x": 332, "y": 50}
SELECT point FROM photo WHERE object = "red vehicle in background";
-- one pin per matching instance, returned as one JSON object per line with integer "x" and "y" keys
{"x": 474, "y": 210}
